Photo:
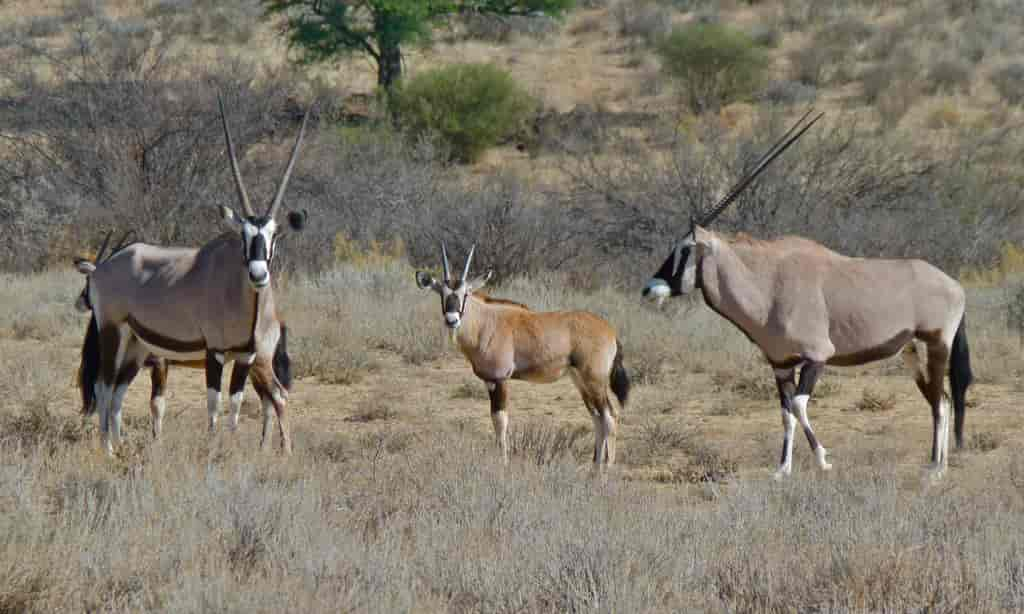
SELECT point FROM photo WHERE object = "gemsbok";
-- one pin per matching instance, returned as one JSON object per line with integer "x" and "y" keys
{"x": 806, "y": 306}
{"x": 505, "y": 340}
{"x": 215, "y": 303}
{"x": 88, "y": 370}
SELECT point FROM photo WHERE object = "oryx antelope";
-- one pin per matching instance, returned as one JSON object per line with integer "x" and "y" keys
{"x": 88, "y": 370}
{"x": 504, "y": 340}
{"x": 214, "y": 303}
{"x": 806, "y": 306}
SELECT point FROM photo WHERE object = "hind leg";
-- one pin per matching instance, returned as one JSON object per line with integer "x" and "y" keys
{"x": 131, "y": 359}
{"x": 271, "y": 396}
{"x": 928, "y": 377}
{"x": 808, "y": 378}
{"x": 785, "y": 381}
{"x": 236, "y": 390}
{"x": 157, "y": 400}
{"x": 594, "y": 391}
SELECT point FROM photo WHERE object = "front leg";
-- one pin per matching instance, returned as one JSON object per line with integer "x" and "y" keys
{"x": 498, "y": 391}
{"x": 808, "y": 378}
{"x": 236, "y": 390}
{"x": 214, "y": 371}
{"x": 785, "y": 381}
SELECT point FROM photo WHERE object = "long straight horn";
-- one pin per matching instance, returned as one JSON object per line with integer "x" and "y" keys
{"x": 444, "y": 263}
{"x": 272, "y": 211}
{"x": 782, "y": 145}
{"x": 103, "y": 247}
{"x": 242, "y": 196}
{"x": 469, "y": 261}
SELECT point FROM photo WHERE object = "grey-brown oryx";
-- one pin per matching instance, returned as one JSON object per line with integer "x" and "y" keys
{"x": 504, "y": 340}
{"x": 806, "y": 306}
{"x": 215, "y": 303}
{"x": 88, "y": 370}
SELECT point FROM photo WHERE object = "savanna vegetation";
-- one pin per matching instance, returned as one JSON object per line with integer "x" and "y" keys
{"x": 571, "y": 142}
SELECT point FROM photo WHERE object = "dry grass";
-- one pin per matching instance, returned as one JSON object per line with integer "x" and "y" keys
{"x": 874, "y": 402}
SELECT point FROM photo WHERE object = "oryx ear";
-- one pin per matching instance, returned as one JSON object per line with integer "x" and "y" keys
{"x": 297, "y": 220}
{"x": 481, "y": 281}
{"x": 424, "y": 280}
{"x": 228, "y": 215}
{"x": 84, "y": 266}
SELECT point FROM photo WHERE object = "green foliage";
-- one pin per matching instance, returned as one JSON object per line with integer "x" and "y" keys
{"x": 470, "y": 106}
{"x": 714, "y": 63}
{"x": 322, "y": 30}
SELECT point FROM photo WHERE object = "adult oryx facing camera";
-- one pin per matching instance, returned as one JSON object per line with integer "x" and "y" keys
{"x": 88, "y": 370}
{"x": 215, "y": 303}
{"x": 504, "y": 340}
{"x": 806, "y": 306}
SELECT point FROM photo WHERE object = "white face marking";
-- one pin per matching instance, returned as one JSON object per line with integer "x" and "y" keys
{"x": 452, "y": 319}
{"x": 219, "y": 357}
{"x": 657, "y": 290}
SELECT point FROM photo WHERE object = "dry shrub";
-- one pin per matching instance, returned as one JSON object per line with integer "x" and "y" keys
{"x": 873, "y": 401}
{"x": 708, "y": 464}
{"x": 943, "y": 115}
{"x": 756, "y": 387}
{"x": 471, "y": 390}
{"x": 543, "y": 444}
{"x": 643, "y": 19}
{"x": 1009, "y": 81}
{"x": 984, "y": 441}
{"x": 374, "y": 409}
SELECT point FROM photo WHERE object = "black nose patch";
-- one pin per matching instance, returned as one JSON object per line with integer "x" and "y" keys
{"x": 451, "y": 304}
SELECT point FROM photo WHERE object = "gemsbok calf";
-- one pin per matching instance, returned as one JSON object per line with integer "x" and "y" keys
{"x": 88, "y": 370}
{"x": 806, "y": 306}
{"x": 504, "y": 340}
{"x": 215, "y": 303}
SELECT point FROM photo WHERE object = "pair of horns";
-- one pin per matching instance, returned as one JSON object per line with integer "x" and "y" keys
{"x": 121, "y": 243}
{"x": 776, "y": 150}
{"x": 242, "y": 196}
{"x": 448, "y": 267}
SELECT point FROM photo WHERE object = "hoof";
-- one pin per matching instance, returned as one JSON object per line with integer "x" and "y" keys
{"x": 781, "y": 474}
{"x": 822, "y": 463}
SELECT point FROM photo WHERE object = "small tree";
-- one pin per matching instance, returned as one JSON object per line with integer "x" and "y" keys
{"x": 715, "y": 64}
{"x": 470, "y": 106}
{"x": 326, "y": 29}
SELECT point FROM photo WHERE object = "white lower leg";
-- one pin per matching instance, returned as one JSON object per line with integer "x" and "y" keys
{"x": 236, "y": 409}
{"x": 500, "y": 421}
{"x": 268, "y": 411}
{"x": 600, "y": 439}
{"x": 943, "y": 432}
{"x": 212, "y": 406}
{"x": 800, "y": 405}
{"x": 103, "y": 397}
{"x": 608, "y": 425}
{"x": 157, "y": 406}
{"x": 789, "y": 429}
{"x": 116, "y": 402}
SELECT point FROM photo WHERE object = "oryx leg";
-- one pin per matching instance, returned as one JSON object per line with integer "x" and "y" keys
{"x": 157, "y": 400}
{"x": 785, "y": 381}
{"x": 929, "y": 380}
{"x": 120, "y": 361}
{"x": 236, "y": 390}
{"x": 272, "y": 395}
{"x": 593, "y": 390}
{"x": 498, "y": 392}
{"x": 214, "y": 374}
{"x": 808, "y": 378}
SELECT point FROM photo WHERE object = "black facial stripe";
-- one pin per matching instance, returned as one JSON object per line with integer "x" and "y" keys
{"x": 451, "y": 304}
{"x": 258, "y": 248}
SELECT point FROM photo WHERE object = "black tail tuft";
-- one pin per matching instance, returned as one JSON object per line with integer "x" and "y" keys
{"x": 619, "y": 377}
{"x": 960, "y": 377}
{"x": 89, "y": 369}
{"x": 282, "y": 363}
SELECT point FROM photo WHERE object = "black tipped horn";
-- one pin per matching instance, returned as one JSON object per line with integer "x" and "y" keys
{"x": 272, "y": 211}
{"x": 242, "y": 196}
{"x": 444, "y": 263}
{"x": 469, "y": 261}
{"x": 780, "y": 146}
{"x": 103, "y": 247}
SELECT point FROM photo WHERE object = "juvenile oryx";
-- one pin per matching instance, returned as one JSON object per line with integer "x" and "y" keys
{"x": 214, "y": 303}
{"x": 88, "y": 370}
{"x": 806, "y": 306}
{"x": 504, "y": 340}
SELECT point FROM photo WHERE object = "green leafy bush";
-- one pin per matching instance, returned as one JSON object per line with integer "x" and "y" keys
{"x": 469, "y": 106}
{"x": 714, "y": 63}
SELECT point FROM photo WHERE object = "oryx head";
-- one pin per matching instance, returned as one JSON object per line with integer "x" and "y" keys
{"x": 678, "y": 274}
{"x": 86, "y": 267}
{"x": 259, "y": 233}
{"x": 453, "y": 292}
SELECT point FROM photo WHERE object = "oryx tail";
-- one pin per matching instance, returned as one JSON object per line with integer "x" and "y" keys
{"x": 619, "y": 379}
{"x": 960, "y": 377}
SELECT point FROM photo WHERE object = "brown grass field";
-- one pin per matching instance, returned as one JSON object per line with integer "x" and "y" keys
{"x": 394, "y": 499}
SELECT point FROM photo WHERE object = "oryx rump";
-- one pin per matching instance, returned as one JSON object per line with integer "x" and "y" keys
{"x": 806, "y": 306}
{"x": 504, "y": 340}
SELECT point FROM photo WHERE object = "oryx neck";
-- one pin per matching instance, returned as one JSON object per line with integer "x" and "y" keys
{"x": 477, "y": 318}
{"x": 736, "y": 283}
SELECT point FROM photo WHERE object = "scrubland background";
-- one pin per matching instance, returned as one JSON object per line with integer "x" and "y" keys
{"x": 394, "y": 499}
